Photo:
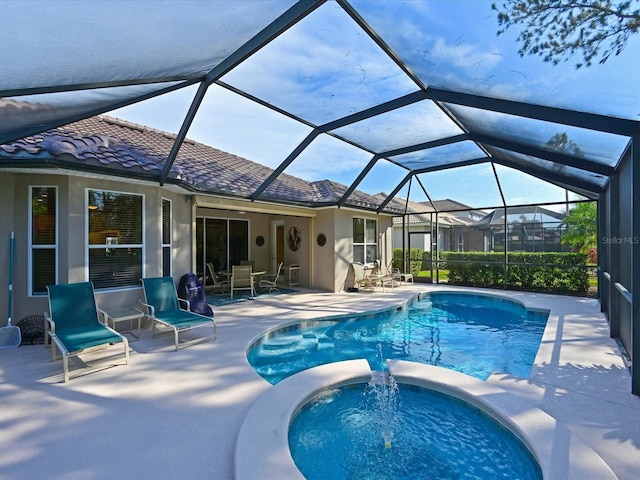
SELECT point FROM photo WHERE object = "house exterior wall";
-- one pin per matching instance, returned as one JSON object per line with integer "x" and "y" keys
{"x": 301, "y": 256}
{"x": 71, "y": 218}
{"x": 343, "y": 222}
{"x": 385, "y": 240}
{"x": 23, "y": 304}
{"x": 324, "y": 257}
{"x": 260, "y": 226}
{"x": 417, "y": 241}
{"x": 324, "y": 267}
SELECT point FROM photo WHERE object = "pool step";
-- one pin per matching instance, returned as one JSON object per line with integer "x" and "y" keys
{"x": 284, "y": 343}
{"x": 290, "y": 342}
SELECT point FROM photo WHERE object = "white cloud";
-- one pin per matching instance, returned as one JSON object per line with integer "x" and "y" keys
{"x": 464, "y": 55}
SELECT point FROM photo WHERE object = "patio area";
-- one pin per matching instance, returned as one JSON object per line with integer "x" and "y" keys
{"x": 177, "y": 414}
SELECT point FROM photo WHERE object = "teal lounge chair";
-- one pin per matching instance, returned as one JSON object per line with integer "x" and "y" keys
{"x": 163, "y": 306}
{"x": 73, "y": 326}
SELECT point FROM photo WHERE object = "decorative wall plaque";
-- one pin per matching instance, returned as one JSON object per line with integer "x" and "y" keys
{"x": 294, "y": 239}
{"x": 260, "y": 240}
{"x": 322, "y": 239}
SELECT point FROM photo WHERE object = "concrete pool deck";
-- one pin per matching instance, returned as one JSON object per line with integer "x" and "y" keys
{"x": 177, "y": 414}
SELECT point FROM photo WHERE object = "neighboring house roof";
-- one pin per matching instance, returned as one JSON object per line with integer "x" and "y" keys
{"x": 108, "y": 145}
{"x": 497, "y": 216}
{"x": 447, "y": 205}
{"x": 420, "y": 213}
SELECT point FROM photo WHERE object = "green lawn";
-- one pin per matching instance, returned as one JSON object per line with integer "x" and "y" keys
{"x": 443, "y": 276}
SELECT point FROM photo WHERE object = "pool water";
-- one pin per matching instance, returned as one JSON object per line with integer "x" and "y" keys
{"x": 472, "y": 334}
{"x": 338, "y": 435}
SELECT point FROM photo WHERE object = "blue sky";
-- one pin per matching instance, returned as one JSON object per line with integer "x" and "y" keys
{"x": 326, "y": 68}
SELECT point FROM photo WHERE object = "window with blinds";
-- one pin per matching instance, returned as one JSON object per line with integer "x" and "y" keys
{"x": 43, "y": 238}
{"x": 166, "y": 237}
{"x": 115, "y": 246}
{"x": 365, "y": 240}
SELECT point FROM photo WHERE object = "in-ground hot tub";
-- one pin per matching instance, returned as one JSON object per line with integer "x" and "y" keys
{"x": 263, "y": 451}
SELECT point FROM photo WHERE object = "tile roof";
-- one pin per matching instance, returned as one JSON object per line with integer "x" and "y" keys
{"x": 419, "y": 213}
{"x": 122, "y": 148}
{"x": 448, "y": 204}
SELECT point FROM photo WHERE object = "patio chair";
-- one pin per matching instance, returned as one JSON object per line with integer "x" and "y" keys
{"x": 241, "y": 279}
{"x": 395, "y": 273}
{"x": 361, "y": 279}
{"x": 399, "y": 276}
{"x": 217, "y": 283}
{"x": 406, "y": 277}
{"x": 380, "y": 278}
{"x": 163, "y": 308}
{"x": 385, "y": 280}
{"x": 72, "y": 325}
{"x": 270, "y": 280}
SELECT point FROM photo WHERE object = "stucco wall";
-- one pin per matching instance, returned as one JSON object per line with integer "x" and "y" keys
{"x": 303, "y": 254}
{"x": 321, "y": 267}
{"x": 324, "y": 257}
{"x": 24, "y": 305}
{"x": 344, "y": 244}
{"x": 422, "y": 241}
{"x": 71, "y": 235}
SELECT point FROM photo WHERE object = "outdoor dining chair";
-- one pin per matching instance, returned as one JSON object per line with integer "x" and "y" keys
{"x": 270, "y": 280}
{"x": 241, "y": 279}
{"x": 217, "y": 283}
{"x": 72, "y": 325}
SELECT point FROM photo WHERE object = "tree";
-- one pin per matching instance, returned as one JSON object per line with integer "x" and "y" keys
{"x": 581, "y": 225}
{"x": 558, "y": 29}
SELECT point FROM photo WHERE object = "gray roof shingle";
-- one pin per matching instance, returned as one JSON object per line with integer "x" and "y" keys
{"x": 123, "y": 148}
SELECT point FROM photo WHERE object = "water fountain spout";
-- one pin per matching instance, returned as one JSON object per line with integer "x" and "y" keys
{"x": 387, "y": 435}
{"x": 384, "y": 395}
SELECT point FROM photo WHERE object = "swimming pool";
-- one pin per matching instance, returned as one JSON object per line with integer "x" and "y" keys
{"x": 475, "y": 334}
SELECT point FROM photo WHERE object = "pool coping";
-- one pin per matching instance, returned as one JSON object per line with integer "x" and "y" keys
{"x": 263, "y": 440}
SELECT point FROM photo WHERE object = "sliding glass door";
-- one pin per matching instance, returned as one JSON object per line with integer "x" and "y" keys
{"x": 221, "y": 243}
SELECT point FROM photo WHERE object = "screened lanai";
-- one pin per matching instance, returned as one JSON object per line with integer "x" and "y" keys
{"x": 421, "y": 100}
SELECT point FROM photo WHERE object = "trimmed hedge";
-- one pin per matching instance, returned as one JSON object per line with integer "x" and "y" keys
{"x": 418, "y": 259}
{"x": 556, "y": 272}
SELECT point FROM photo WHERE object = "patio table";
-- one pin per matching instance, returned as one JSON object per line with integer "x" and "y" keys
{"x": 114, "y": 315}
